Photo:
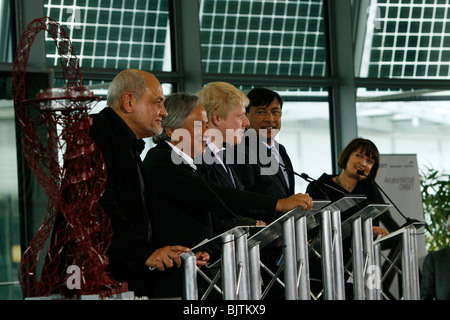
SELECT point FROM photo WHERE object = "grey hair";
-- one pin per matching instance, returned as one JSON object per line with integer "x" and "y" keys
{"x": 127, "y": 80}
{"x": 179, "y": 106}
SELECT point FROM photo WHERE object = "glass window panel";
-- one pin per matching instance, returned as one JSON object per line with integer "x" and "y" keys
{"x": 272, "y": 37}
{"x": 10, "y": 252}
{"x": 6, "y": 48}
{"x": 306, "y": 126}
{"x": 412, "y": 121}
{"x": 114, "y": 34}
{"x": 416, "y": 32}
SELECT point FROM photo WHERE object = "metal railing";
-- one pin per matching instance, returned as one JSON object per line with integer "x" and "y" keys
{"x": 238, "y": 251}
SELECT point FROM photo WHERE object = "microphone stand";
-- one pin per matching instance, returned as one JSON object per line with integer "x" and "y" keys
{"x": 305, "y": 177}
{"x": 323, "y": 183}
{"x": 409, "y": 221}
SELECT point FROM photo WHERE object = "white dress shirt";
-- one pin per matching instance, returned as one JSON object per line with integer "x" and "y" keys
{"x": 279, "y": 159}
{"x": 183, "y": 155}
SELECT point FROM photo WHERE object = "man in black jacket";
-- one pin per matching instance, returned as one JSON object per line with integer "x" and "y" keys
{"x": 435, "y": 282}
{"x": 182, "y": 201}
{"x": 135, "y": 111}
{"x": 225, "y": 108}
{"x": 263, "y": 163}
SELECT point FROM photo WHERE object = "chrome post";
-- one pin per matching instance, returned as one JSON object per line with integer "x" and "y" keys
{"x": 358, "y": 263}
{"x": 290, "y": 261}
{"x": 190, "y": 290}
{"x": 242, "y": 261}
{"x": 327, "y": 255}
{"x": 370, "y": 287}
{"x": 228, "y": 267}
{"x": 301, "y": 242}
{"x": 338, "y": 256}
{"x": 255, "y": 272}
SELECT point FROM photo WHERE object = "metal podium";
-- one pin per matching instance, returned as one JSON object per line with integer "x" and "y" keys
{"x": 331, "y": 246}
{"x": 292, "y": 228}
{"x": 238, "y": 255}
{"x": 359, "y": 226}
{"x": 229, "y": 256}
{"x": 409, "y": 260}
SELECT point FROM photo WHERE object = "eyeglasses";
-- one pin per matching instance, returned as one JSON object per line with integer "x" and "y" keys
{"x": 261, "y": 114}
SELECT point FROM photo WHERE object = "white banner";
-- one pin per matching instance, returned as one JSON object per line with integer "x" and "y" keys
{"x": 398, "y": 176}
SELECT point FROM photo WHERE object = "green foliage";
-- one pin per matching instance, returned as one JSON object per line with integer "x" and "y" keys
{"x": 435, "y": 187}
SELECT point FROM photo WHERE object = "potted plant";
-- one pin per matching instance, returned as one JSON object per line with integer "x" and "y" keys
{"x": 435, "y": 187}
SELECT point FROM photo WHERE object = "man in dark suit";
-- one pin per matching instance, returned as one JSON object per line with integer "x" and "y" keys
{"x": 135, "y": 111}
{"x": 435, "y": 282}
{"x": 181, "y": 200}
{"x": 263, "y": 163}
{"x": 225, "y": 108}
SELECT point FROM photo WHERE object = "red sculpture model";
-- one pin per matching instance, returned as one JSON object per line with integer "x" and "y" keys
{"x": 65, "y": 161}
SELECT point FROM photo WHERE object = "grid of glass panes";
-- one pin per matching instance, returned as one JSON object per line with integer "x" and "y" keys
{"x": 6, "y": 43}
{"x": 411, "y": 39}
{"x": 263, "y": 37}
{"x": 113, "y": 33}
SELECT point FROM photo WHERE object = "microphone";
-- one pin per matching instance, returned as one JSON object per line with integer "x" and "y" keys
{"x": 305, "y": 177}
{"x": 323, "y": 183}
{"x": 409, "y": 221}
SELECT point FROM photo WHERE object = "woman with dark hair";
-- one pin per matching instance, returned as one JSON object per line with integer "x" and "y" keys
{"x": 365, "y": 156}
{"x": 359, "y": 155}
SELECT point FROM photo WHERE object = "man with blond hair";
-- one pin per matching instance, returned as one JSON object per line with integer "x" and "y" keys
{"x": 225, "y": 107}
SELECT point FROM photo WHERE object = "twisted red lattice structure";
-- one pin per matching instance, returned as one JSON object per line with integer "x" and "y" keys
{"x": 63, "y": 157}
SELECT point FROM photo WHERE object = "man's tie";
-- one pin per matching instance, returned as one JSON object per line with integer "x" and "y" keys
{"x": 227, "y": 167}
